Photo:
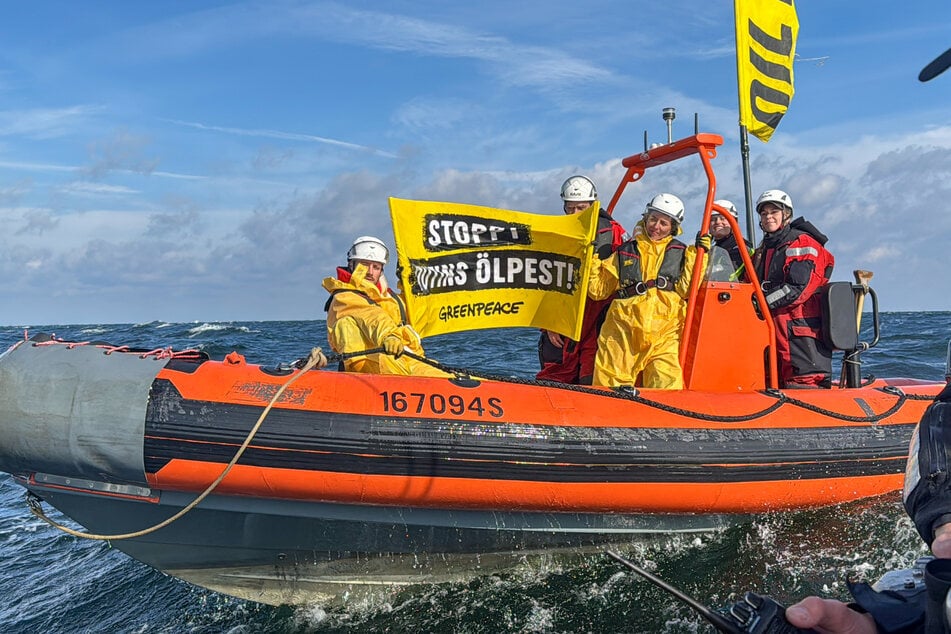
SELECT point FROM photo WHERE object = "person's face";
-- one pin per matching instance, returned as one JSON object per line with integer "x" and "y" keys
{"x": 374, "y": 270}
{"x": 573, "y": 207}
{"x": 770, "y": 217}
{"x": 719, "y": 226}
{"x": 658, "y": 226}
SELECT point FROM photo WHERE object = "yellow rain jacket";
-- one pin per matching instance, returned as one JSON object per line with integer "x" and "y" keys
{"x": 641, "y": 333}
{"x": 360, "y": 315}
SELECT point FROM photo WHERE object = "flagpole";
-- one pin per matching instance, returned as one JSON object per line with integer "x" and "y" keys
{"x": 747, "y": 184}
{"x": 744, "y": 136}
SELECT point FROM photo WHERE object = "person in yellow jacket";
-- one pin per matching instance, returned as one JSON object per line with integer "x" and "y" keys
{"x": 648, "y": 278}
{"x": 363, "y": 314}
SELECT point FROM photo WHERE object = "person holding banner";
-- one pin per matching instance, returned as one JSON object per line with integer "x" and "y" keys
{"x": 792, "y": 263}
{"x": 363, "y": 314}
{"x": 562, "y": 359}
{"x": 647, "y": 280}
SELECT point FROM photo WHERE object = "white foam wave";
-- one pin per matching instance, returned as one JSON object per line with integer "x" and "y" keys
{"x": 152, "y": 324}
{"x": 215, "y": 327}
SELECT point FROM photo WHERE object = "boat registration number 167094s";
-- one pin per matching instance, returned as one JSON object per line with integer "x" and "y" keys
{"x": 440, "y": 404}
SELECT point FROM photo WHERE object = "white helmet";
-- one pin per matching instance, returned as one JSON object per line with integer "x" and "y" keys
{"x": 579, "y": 189}
{"x": 669, "y": 205}
{"x": 726, "y": 204}
{"x": 370, "y": 249}
{"x": 776, "y": 196}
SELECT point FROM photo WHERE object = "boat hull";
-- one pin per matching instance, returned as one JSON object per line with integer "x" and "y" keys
{"x": 357, "y": 481}
{"x": 290, "y": 551}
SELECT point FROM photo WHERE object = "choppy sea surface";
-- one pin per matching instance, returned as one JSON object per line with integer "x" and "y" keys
{"x": 52, "y": 582}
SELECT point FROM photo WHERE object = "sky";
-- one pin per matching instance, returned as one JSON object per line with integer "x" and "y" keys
{"x": 213, "y": 161}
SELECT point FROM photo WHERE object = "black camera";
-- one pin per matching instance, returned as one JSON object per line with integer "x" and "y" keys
{"x": 754, "y": 614}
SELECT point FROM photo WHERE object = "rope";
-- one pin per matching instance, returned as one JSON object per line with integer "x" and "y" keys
{"x": 631, "y": 394}
{"x": 343, "y": 356}
{"x": 316, "y": 358}
{"x": 902, "y": 397}
{"x": 158, "y": 353}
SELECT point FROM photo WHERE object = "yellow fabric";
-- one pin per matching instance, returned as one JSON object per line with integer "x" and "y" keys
{"x": 354, "y": 324}
{"x": 465, "y": 267}
{"x": 766, "y": 33}
{"x": 641, "y": 334}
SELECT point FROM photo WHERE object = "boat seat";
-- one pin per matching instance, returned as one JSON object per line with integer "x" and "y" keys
{"x": 838, "y": 316}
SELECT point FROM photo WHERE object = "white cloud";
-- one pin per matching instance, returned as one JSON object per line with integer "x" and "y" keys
{"x": 882, "y": 253}
{"x": 286, "y": 136}
{"x": 96, "y": 189}
{"x": 424, "y": 114}
{"x": 44, "y": 123}
{"x": 542, "y": 68}
{"x": 36, "y": 167}
{"x": 123, "y": 151}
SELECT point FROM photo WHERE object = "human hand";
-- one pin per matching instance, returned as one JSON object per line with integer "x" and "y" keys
{"x": 941, "y": 546}
{"x": 704, "y": 241}
{"x": 317, "y": 358}
{"x": 555, "y": 339}
{"x": 393, "y": 345}
{"x": 828, "y": 616}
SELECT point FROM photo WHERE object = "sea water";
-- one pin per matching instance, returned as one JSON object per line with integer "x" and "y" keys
{"x": 52, "y": 582}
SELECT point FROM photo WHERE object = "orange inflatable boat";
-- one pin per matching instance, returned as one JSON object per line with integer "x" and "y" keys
{"x": 355, "y": 480}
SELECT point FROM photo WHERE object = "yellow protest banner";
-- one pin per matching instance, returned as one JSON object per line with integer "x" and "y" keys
{"x": 766, "y": 33}
{"x": 465, "y": 267}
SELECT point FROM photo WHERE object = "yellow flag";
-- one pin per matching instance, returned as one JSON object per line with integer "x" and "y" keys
{"x": 766, "y": 33}
{"x": 464, "y": 267}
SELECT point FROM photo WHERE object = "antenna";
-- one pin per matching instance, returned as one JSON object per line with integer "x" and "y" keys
{"x": 669, "y": 115}
{"x": 720, "y": 622}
